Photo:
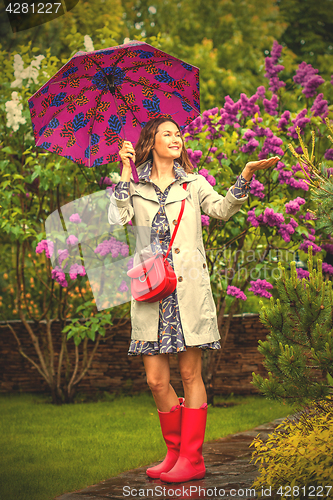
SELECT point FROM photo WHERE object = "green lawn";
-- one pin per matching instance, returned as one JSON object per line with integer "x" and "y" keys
{"x": 47, "y": 450}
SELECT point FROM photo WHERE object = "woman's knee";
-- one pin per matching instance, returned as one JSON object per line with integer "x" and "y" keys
{"x": 157, "y": 384}
{"x": 190, "y": 374}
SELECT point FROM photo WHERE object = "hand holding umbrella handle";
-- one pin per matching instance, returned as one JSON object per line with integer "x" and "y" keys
{"x": 125, "y": 153}
{"x": 133, "y": 168}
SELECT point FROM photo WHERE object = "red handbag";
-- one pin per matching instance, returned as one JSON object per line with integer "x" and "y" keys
{"x": 154, "y": 279}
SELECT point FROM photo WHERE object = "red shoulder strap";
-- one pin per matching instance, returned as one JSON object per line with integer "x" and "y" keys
{"x": 177, "y": 225}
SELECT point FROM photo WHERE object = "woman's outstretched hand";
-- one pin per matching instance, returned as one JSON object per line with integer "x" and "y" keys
{"x": 252, "y": 166}
{"x": 126, "y": 153}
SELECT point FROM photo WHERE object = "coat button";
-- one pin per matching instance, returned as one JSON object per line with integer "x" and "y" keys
{"x": 174, "y": 222}
{"x": 177, "y": 250}
{"x": 180, "y": 278}
{"x": 204, "y": 266}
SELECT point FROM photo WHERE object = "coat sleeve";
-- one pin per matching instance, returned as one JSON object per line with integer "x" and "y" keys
{"x": 214, "y": 204}
{"x": 121, "y": 208}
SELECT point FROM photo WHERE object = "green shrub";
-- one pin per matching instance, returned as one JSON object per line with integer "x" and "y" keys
{"x": 296, "y": 460}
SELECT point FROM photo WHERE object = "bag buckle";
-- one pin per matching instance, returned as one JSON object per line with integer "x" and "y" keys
{"x": 142, "y": 281}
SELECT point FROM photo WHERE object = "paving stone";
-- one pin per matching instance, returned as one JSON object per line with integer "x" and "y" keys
{"x": 227, "y": 469}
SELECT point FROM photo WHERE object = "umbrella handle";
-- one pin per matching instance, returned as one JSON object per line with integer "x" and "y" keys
{"x": 134, "y": 171}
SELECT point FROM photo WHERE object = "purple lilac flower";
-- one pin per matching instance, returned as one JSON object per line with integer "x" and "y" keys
{"x": 272, "y": 69}
{"x": 259, "y": 287}
{"x": 311, "y": 86}
{"x": 195, "y": 127}
{"x": 272, "y": 218}
{"x": 294, "y": 205}
{"x": 249, "y": 134}
{"x": 304, "y": 73}
{"x": 204, "y": 172}
{"x": 76, "y": 269}
{"x": 105, "y": 180}
{"x": 305, "y": 245}
{"x": 130, "y": 263}
{"x": 252, "y": 219}
{"x": 257, "y": 188}
{"x": 271, "y": 105}
{"x": 307, "y": 77}
{"x": 250, "y": 147}
{"x": 58, "y": 275}
{"x": 46, "y": 245}
{"x": 275, "y": 83}
{"x": 63, "y": 254}
{"x": 209, "y": 159}
{"x": 283, "y": 122}
{"x": 260, "y": 131}
{"x": 123, "y": 287}
{"x": 328, "y": 154}
{"x": 261, "y": 92}
{"x": 302, "y": 273}
{"x": 298, "y": 184}
{"x": 271, "y": 145}
{"x": 276, "y": 52}
{"x": 212, "y": 150}
{"x": 286, "y": 230}
{"x": 75, "y": 218}
{"x": 205, "y": 220}
{"x": 327, "y": 268}
{"x": 320, "y": 107}
{"x": 329, "y": 172}
{"x": 211, "y": 179}
{"x": 236, "y": 292}
{"x": 248, "y": 106}
{"x": 112, "y": 246}
{"x": 299, "y": 150}
{"x": 72, "y": 240}
{"x": 229, "y": 112}
{"x": 328, "y": 247}
{"x": 220, "y": 157}
{"x": 27, "y": 195}
{"x": 194, "y": 156}
{"x": 300, "y": 121}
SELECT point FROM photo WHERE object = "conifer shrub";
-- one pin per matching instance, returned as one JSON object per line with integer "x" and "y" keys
{"x": 298, "y": 351}
{"x": 296, "y": 461}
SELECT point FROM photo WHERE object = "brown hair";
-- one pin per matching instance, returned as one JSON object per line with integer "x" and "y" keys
{"x": 147, "y": 140}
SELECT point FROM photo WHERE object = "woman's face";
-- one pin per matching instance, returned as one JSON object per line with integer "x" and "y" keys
{"x": 168, "y": 141}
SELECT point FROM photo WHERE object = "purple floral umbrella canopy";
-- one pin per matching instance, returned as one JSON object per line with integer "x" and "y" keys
{"x": 98, "y": 99}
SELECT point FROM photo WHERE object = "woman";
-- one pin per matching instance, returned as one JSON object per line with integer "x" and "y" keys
{"x": 184, "y": 322}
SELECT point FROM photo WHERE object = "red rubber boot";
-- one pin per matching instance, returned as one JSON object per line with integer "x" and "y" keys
{"x": 190, "y": 464}
{"x": 170, "y": 425}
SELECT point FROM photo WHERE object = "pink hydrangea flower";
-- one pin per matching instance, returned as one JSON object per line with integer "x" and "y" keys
{"x": 205, "y": 220}
{"x": 260, "y": 287}
{"x": 236, "y": 292}
{"x": 75, "y": 218}
{"x": 46, "y": 245}
{"x": 72, "y": 240}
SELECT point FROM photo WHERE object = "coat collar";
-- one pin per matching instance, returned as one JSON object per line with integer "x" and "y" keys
{"x": 146, "y": 189}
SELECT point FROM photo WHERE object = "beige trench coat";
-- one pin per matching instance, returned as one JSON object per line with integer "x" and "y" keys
{"x": 196, "y": 304}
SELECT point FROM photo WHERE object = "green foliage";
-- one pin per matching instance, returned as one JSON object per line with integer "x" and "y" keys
{"x": 296, "y": 460}
{"x": 91, "y": 325}
{"x": 298, "y": 351}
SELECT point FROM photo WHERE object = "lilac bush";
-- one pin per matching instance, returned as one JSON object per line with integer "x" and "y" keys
{"x": 257, "y": 127}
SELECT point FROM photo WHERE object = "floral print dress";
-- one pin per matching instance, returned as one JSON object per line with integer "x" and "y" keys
{"x": 170, "y": 332}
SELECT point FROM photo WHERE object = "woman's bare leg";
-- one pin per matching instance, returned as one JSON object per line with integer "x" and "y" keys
{"x": 189, "y": 363}
{"x": 158, "y": 378}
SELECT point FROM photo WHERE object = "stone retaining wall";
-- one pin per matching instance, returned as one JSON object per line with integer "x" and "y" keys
{"x": 113, "y": 370}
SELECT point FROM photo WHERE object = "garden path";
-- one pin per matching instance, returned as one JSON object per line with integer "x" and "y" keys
{"x": 228, "y": 475}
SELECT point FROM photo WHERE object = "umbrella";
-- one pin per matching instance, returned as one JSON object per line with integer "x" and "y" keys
{"x": 99, "y": 99}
